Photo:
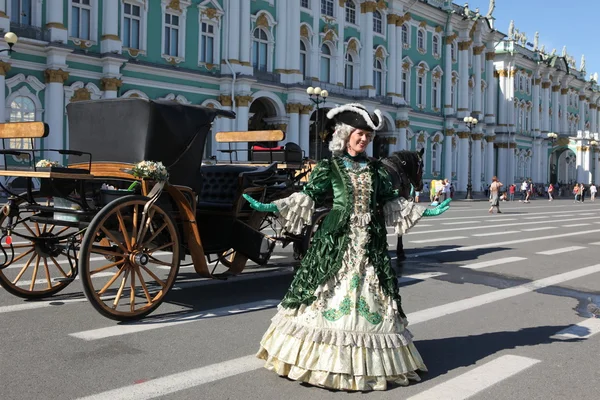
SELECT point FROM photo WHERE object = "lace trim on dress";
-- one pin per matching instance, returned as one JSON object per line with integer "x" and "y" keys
{"x": 295, "y": 211}
{"x": 402, "y": 214}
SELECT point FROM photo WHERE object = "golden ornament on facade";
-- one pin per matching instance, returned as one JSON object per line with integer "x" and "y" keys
{"x": 133, "y": 52}
{"x": 353, "y": 46}
{"x": 55, "y": 25}
{"x": 436, "y": 74}
{"x": 438, "y": 29}
{"x": 4, "y": 68}
{"x": 593, "y": 106}
{"x": 564, "y": 91}
{"x": 368, "y": 7}
{"x": 392, "y": 18}
{"x": 555, "y": 88}
{"x": 243, "y": 101}
{"x": 110, "y": 84}
{"x": 379, "y": 53}
{"x": 304, "y": 31}
{"x": 381, "y": 5}
{"x": 81, "y": 94}
{"x": 477, "y": 50}
{"x": 55, "y": 76}
{"x": 402, "y": 123}
{"x": 406, "y": 65}
{"x": 462, "y": 46}
{"x": 537, "y": 81}
{"x": 463, "y": 135}
{"x": 293, "y": 108}
{"x": 490, "y": 56}
{"x": 423, "y": 24}
{"x": 175, "y": 5}
{"x": 329, "y": 36}
{"x": 262, "y": 21}
{"x": 546, "y": 85}
{"x": 225, "y": 100}
{"x": 421, "y": 138}
{"x": 451, "y": 38}
{"x": 210, "y": 13}
{"x": 477, "y": 136}
{"x": 342, "y": 3}
{"x": 306, "y": 109}
{"x": 582, "y": 97}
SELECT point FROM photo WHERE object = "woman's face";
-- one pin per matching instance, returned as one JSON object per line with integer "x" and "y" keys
{"x": 358, "y": 141}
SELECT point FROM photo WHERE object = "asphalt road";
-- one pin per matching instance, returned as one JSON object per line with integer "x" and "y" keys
{"x": 497, "y": 305}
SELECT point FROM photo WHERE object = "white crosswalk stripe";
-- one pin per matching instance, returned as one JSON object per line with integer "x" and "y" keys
{"x": 492, "y": 263}
{"x": 561, "y": 250}
{"x": 583, "y": 330}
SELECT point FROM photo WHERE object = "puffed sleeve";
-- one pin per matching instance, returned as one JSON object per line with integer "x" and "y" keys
{"x": 296, "y": 211}
{"x": 399, "y": 212}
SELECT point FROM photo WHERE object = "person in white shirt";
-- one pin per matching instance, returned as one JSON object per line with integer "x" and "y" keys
{"x": 593, "y": 191}
{"x": 524, "y": 187}
{"x": 446, "y": 189}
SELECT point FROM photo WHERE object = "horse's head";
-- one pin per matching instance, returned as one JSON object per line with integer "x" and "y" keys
{"x": 406, "y": 168}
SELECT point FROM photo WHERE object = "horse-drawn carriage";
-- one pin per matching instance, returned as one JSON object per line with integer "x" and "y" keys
{"x": 126, "y": 240}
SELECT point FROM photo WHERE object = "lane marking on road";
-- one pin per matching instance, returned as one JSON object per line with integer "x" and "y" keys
{"x": 537, "y": 217}
{"x": 478, "y": 379}
{"x": 541, "y": 228}
{"x": 494, "y": 233}
{"x": 590, "y": 213}
{"x": 156, "y": 323}
{"x": 582, "y": 330}
{"x": 492, "y": 263}
{"x": 461, "y": 223}
{"x": 512, "y": 225}
{"x": 184, "y": 380}
{"x": 487, "y": 298}
{"x": 499, "y": 244}
{"x": 561, "y": 250}
{"x": 420, "y": 277}
{"x": 595, "y": 244}
{"x": 574, "y": 225}
{"x": 39, "y": 304}
{"x": 486, "y": 215}
{"x": 444, "y": 239}
{"x": 501, "y": 220}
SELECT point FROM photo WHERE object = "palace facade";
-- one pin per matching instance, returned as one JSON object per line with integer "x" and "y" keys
{"x": 426, "y": 64}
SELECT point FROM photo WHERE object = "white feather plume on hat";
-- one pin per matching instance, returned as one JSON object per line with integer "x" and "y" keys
{"x": 356, "y": 115}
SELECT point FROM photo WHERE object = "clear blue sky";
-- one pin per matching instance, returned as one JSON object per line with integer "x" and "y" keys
{"x": 572, "y": 23}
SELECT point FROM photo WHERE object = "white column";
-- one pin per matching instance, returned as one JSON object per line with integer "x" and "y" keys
{"x": 398, "y": 50}
{"x": 242, "y": 108}
{"x": 293, "y": 128}
{"x": 535, "y": 104}
{"x": 491, "y": 93}
{"x": 55, "y": 21}
{"x": 463, "y": 161}
{"x": 315, "y": 50}
{"x": 54, "y": 111}
{"x": 340, "y": 73}
{"x": 511, "y": 164}
{"x": 489, "y": 156}
{"x": 244, "y": 34}
{"x": 448, "y": 154}
{"x": 110, "y": 41}
{"x": 225, "y": 125}
{"x": 293, "y": 40}
{"x": 463, "y": 84}
{"x": 392, "y": 59}
{"x": 593, "y": 119}
{"x": 476, "y": 162}
{"x": 582, "y": 103}
{"x": 503, "y": 168}
{"x": 4, "y": 18}
{"x": 502, "y": 100}
{"x": 367, "y": 56}
{"x": 233, "y": 30}
{"x": 281, "y": 49}
{"x": 402, "y": 138}
{"x": 555, "y": 103}
{"x": 304, "y": 134}
{"x": 564, "y": 122}
{"x": 596, "y": 167}
{"x": 545, "y": 107}
{"x": 536, "y": 160}
{"x": 448, "y": 80}
{"x": 477, "y": 52}
{"x": 4, "y": 68}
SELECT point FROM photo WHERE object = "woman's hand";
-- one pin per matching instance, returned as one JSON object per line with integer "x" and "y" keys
{"x": 258, "y": 206}
{"x": 442, "y": 208}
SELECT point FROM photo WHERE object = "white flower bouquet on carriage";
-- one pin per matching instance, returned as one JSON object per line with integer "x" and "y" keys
{"x": 48, "y": 164}
{"x": 150, "y": 170}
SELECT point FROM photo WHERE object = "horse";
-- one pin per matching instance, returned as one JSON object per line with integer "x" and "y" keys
{"x": 406, "y": 172}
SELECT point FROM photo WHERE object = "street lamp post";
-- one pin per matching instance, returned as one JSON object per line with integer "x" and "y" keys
{"x": 10, "y": 39}
{"x": 470, "y": 122}
{"x": 552, "y": 137}
{"x": 317, "y": 96}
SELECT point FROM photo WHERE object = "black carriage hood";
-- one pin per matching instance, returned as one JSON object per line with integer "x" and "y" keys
{"x": 130, "y": 130}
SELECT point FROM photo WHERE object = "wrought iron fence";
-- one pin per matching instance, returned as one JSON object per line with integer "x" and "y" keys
{"x": 30, "y": 31}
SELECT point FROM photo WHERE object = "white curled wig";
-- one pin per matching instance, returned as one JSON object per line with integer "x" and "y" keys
{"x": 339, "y": 139}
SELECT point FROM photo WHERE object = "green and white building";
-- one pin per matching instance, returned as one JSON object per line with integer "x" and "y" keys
{"x": 426, "y": 64}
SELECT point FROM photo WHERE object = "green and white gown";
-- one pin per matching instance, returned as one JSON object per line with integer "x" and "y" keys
{"x": 341, "y": 325}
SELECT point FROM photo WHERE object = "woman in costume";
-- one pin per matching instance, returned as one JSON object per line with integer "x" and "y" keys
{"x": 341, "y": 324}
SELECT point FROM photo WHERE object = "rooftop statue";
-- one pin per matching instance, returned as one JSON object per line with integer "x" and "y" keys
{"x": 511, "y": 30}
{"x": 536, "y": 40}
{"x": 491, "y": 9}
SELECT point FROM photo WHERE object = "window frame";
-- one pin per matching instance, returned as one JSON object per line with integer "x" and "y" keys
{"x": 256, "y": 49}
{"x": 405, "y": 29}
{"x": 435, "y": 47}
{"x": 143, "y": 25}
{"x": 349, "y": 64}
{"x": 325, "y": 7}
{"x": 422, "y": 41}
{"x": 348, "y": 9}
{"x": 307, "y": 7}
{"x": 378, "y": 24}
{"x": 303, "y": 67}
{"x": 181, "y": 13}
{"x": 93, "y": 36}
{"x": 379, "y": 76}
{"x": 329, "y": 57}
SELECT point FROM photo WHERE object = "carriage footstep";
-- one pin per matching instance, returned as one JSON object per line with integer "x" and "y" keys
{"x": 223, "y": 276}
{"x": 62, "y": 280}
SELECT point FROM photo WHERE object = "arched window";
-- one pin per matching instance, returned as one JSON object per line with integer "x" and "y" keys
{"x": 436, "y": 45}
{"x": 420, "y": 91}
{"x": 377, "y": 22}
{"x": 260, "y": 48}
{"x": 378, "y": 77}
{"x": 405, "y": 39}
{"x": 453, "y": 52}
{"x": 325, "y": 63}
{"x": 435, "y": 94}
{"x": 303, "y": 59}
{"x": 420, "y": 40}
{"x": 350, "y": 12}
{"x": 349, "y": 78}
{"x": 22, "y": 109}
{"x": 434, "y": 157}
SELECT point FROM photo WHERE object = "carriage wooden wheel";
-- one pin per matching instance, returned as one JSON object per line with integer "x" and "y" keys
{"x": 43, "y": 257}
{"x": 140, "y": 258}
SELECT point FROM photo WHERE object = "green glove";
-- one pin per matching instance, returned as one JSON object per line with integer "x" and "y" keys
{"x": 433, "y": 212}
{"x": 258, "y": 206}
{"x": 444, "y": 203}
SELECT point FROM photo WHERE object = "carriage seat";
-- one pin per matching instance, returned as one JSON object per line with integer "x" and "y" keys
{"x": 290, "y": 153}
{"x": 222, "y": 185}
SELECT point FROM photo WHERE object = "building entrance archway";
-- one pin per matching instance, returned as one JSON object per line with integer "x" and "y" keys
{"x": 563, "y": 166}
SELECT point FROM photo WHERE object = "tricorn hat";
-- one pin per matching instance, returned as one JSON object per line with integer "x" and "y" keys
{"x": 357, "y": 116}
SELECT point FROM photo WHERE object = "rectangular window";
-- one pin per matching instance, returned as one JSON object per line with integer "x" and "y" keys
{"x": 131, "y": 26}
{"x": 207, "y": 43}
{"x": 303, "y": 64}
{"x": 305, "y": 4}
{"x": 405, "y": 86}
{"x": 81, "y": 12}
{"x": 420, "y": 101}
{"x": 327, "y": 7}
{"x": 349, "y": 81}
{"x": 435, "y": 93}
{"x": 171, "y": 35}
{"x": 20, "y": 12}
{"x": 260, "y": 55}
{"x": 325, "y": 69}
{"x": 350, "y": 14}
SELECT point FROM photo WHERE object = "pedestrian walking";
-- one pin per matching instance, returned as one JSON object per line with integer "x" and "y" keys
{"x": 495, "y": 193}
{"x": 593, "y": 191}
{"x": 582, "y": 192}
{"x": 524, "y": 190}
{"x": 576, "y": 193}
{"x": 550, "y": 192}
{"x": 511, "y": 192}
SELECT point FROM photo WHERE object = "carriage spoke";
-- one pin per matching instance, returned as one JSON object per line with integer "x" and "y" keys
{"x": 22, "y": 245}
{"x": 161, "y": 283}
{"x": 135, "y": 226}
{"x": 47, "y": 273}
{"x": 37, "y": 229}
{"x": 143, "y": 283}
{"x": 114, "y": 240}
{"x": 145, "y": 226}
{"x": 23, "y": 255}
{"x": 123, "y": 230}
{"x": 62, "y": 272}
{"x": 157, "y": 261}
{"x": 107, "y": 266}
{"x": 51, "y": 228}
{"x": 132, "y": 294}
{"x": 34, "y": 275}
{"x": 29, "y": 229}
{"x": 22, "y": 271}
{"x": 62, "y": 230}
{"x": 156, "y": 233}
{"x": 121, "y": 287}
{"x": 111, "y": 280}
{"x": 161, "y": 247}
{"x": 105, "y": 252}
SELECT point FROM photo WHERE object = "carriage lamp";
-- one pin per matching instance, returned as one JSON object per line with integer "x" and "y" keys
{"x": 11, "y": 39}
{"x": 552, "y": 137}
{"x": 470, "y": 122}
{"x": 317, "y": 96}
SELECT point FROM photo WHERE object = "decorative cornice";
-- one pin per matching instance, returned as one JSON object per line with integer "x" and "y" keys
{"x": 110, "y": 84}
{"x": 449, "y": 132}
{"x": 490, "y": 56}
{"x": 225, "y": 100}
{"x": 564, "y": 91}
{"x": 56, "y": 25}
{"x": 490, "y": 139}
{"x": 4, "y": 68}
{"x": 56, "y": 76}
{"x": 243, "y": 101}
{"x": 477, "y": 50}
{"x": 477, "y": 136}
{"x": 546, "y": 85}
{"x": 368, "y": 7}
{"x": 293, "y": 108}
{"x": 306, "y": 109}
{"x": 462, "y": 46}
{"x": 555, "y": 88}
{"x": 463, "y": 135}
